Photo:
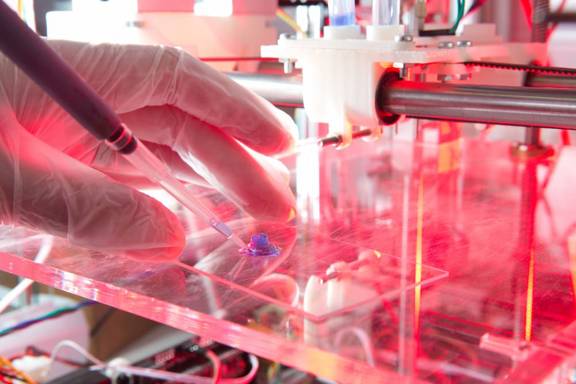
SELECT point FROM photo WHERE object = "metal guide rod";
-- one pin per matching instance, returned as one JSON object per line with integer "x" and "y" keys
{"x": 280, "y": 90}
{"x": 540, "y": 12}
{"x": 521, "y": 106}
{"x": 551, "y": 81}
{"x": 518, "y": 106}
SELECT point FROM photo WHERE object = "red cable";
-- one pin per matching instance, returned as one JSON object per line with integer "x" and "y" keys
{"x": 560, "y": 10}
{"x": 565, "y": 135}
{"x": 527, "y": 7}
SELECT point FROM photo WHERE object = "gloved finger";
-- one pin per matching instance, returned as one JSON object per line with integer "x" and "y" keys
{"x": 254, "y": 182}
{"x": 119, "y": 168}
{"x": 45, "y": 190}
{"x": 133, "y": 77}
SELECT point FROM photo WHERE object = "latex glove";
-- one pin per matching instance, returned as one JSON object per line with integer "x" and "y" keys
{"x": 203, "y": 125}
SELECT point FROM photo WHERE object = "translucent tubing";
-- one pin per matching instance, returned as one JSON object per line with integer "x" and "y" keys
{"x": 342, "y": 12}
{"x": 386, "y": 12}
{"x": 114, "y": 367}
{"x": 154, "y": 169}
{"x": 185, "y": 378}
{"x": 40, "y": 258}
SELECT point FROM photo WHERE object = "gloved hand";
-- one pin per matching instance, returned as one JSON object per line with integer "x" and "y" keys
{"x": 56, "y": 178}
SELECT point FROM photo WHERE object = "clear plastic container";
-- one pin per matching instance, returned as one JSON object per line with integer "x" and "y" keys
{"x": 342, "y": 12}
{"x": 386, "y": 12}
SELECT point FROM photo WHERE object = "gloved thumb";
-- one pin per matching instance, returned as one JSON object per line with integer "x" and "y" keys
{"x": 44, "y": 189}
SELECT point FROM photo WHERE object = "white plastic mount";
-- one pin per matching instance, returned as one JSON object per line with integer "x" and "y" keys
{"x": 341, "y": 71}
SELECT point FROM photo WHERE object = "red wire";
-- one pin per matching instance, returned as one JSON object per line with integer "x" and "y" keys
{"x": 527, "y": 7}
{"x": 565, "y": 134}
{"x": 562, "y": 6}
{"x": 217, "y": 366}
{"x": 560, "y": 10}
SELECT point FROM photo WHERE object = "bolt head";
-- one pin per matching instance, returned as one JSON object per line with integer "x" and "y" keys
{"x": 405, "y": 39}
{"x": 446, "y": 45}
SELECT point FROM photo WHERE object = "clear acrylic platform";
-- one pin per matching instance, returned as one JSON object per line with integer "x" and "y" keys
{"x": 452, "y": 261}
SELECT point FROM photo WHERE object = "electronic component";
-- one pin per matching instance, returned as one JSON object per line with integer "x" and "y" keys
{"x": 186, "y": 357}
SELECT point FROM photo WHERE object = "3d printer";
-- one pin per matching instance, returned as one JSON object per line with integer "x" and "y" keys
{"x": 430, "y": 245}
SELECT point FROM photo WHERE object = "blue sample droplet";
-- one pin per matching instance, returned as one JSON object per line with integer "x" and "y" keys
{"x": 343, "y": 19}
{"x": 260, "y": 240}
{"x": 260, "y": 245}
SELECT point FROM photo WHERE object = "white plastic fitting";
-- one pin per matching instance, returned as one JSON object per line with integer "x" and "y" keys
{"x": 341, "y": 72}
